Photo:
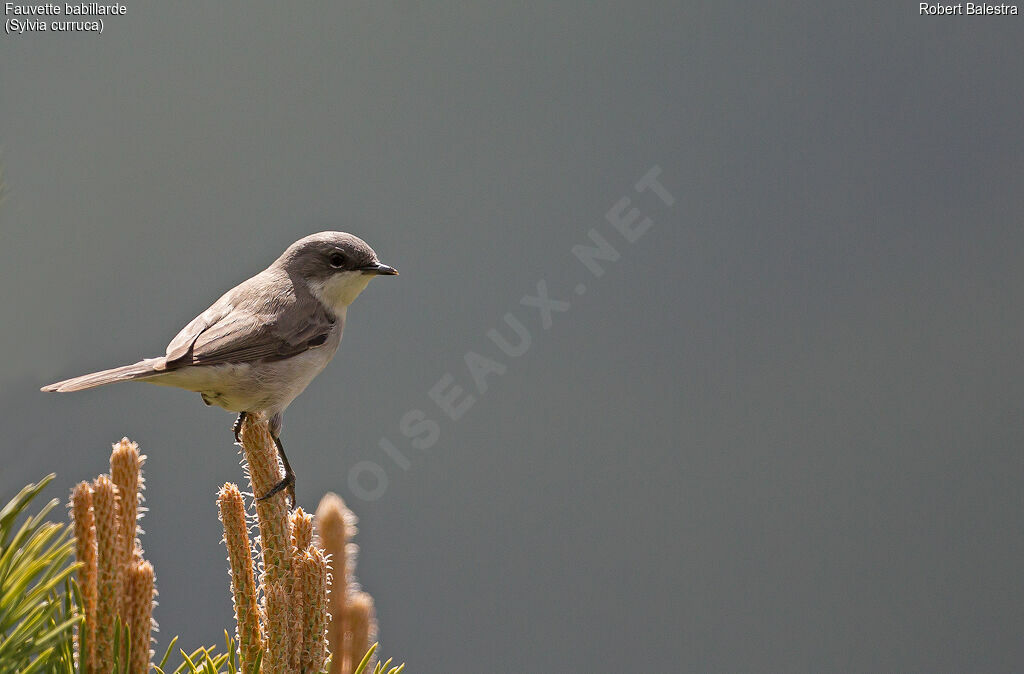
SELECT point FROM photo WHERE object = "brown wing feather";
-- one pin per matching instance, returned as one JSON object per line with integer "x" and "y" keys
{"x": 255, "y": 321}
{"x": 242, "y": 338}
{"x": 183, "y": 341}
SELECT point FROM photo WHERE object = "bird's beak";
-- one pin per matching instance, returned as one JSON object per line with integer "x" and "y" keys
{"x": 379, "y": 269}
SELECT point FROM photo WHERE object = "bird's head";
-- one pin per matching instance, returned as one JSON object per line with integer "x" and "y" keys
{"x": 336, "y": 266}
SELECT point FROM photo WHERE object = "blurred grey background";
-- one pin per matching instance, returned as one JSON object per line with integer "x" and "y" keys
{"x": 781, "y": 433}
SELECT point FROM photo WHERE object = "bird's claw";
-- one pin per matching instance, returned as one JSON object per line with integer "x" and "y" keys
{"x": 236, "y": 428}
{"x": 287, "y": 485}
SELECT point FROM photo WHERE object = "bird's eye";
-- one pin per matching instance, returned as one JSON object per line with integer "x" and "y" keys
{"x": 337, "y": 260}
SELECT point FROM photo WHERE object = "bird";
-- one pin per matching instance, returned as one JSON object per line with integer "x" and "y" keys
{"x": 259, "y": 346}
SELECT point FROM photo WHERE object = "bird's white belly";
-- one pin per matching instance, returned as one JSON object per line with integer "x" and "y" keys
{"x": 251, "y": 387}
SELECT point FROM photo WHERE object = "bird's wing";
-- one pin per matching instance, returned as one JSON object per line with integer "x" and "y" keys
{"x": 257, "y": 327}
{"x": 182, "y": 343}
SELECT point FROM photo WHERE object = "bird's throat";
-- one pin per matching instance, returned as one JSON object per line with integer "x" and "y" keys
{"x": 341, "y": 290}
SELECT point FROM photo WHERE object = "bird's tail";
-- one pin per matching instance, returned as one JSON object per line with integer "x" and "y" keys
{"x": 140, "y": 370}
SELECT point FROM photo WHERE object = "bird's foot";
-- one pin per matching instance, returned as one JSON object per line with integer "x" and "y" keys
{"x": 287, "y": 485}
{"x": 236, "y": 428}
{"x": 288, "y": 482}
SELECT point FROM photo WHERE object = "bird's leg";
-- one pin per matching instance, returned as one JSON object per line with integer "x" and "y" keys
{"x": 288, "y": 483}
{"x": 236, "y": 428}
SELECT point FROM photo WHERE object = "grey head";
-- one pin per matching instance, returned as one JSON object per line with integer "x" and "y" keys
{"x": 335, "y": 266}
